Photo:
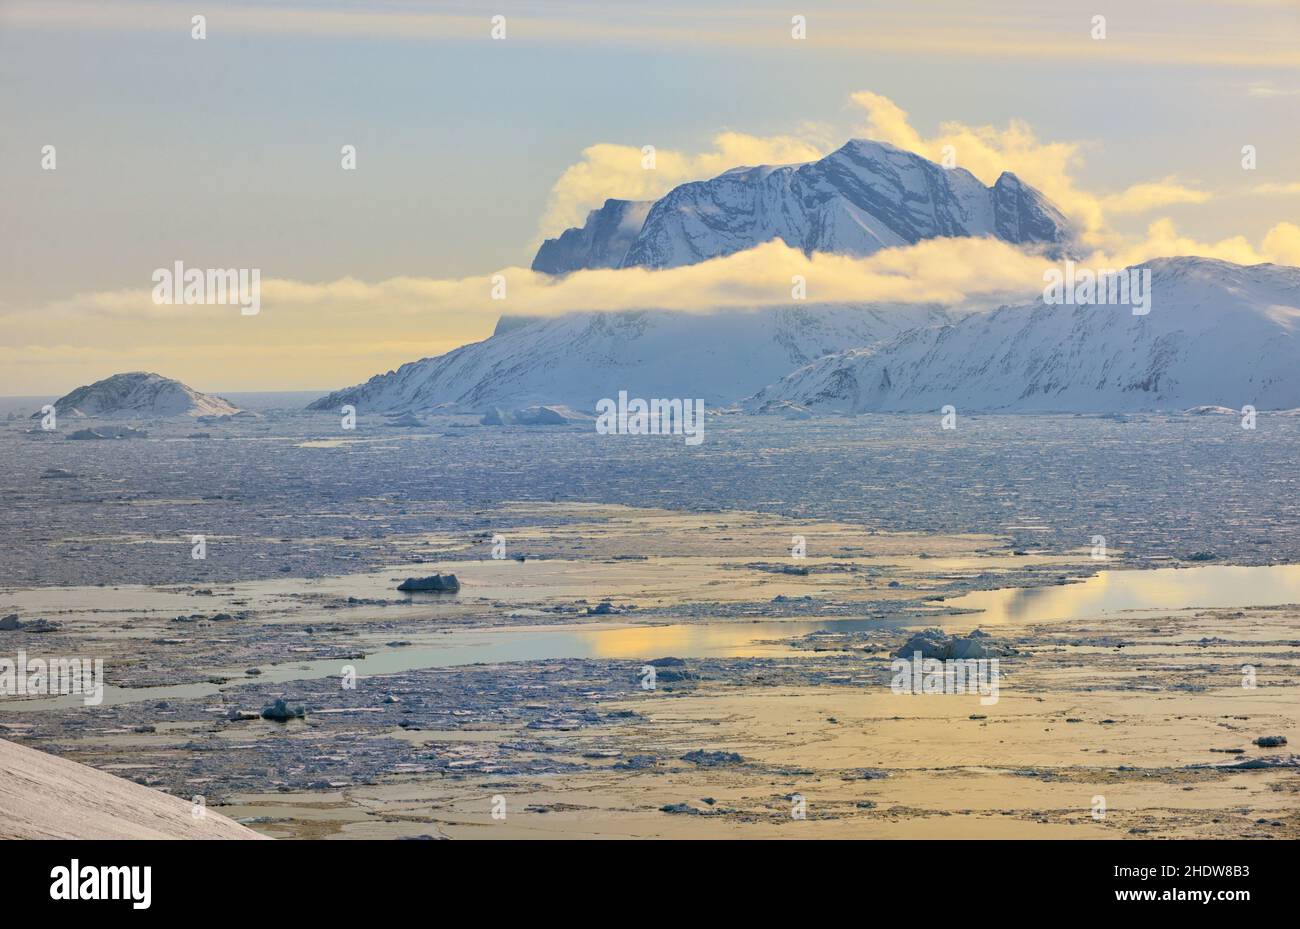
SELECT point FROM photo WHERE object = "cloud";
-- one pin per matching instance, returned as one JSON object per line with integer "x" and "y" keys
{"x": 612, "y": 170}
{"x": 889, "y": 122}
{"x": 934, "y": 270}
{"x": 1291, "y": 188}
{"x": 1142, "y": 198}
{"x": 1280, "y": 245}
{"x": 1268, "y": 90}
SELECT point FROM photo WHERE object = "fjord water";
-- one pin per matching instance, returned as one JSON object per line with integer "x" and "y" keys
{"x": 1162, "y": 589}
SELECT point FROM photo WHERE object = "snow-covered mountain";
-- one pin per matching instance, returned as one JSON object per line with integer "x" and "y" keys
{"x": 580, "y": 358}
{"x": 864, "y": 197}
{"x": 140, "y": 394}
{"x": 1217, "y": 333}
{"x": 601, "y": 243}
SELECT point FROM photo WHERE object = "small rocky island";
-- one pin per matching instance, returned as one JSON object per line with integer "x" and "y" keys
{"x": 439, "y": 583}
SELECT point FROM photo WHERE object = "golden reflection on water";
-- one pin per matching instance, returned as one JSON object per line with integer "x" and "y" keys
{"x": 717, "y": 640}
{"x": 1162, "y": 588}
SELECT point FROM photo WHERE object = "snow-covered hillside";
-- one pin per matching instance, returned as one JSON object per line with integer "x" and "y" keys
{"x": 580, "y": 358}
{"x": 1217, "y": 333}
{"x": 864, "y": 197}
{"x": 140, "y": 394}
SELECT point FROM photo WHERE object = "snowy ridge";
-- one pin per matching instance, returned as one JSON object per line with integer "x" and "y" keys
{"x": 1218, "y": 334}
{"x": 580, "y": 358}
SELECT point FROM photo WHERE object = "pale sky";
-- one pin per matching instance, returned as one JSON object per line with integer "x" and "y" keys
{"x": 225, "y": 152}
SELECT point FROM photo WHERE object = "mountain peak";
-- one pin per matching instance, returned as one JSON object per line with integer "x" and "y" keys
{"x": 871, "y": 146}
{"x": 864, "y": 196}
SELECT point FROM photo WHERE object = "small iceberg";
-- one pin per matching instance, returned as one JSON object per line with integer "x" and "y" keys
{"x": 554, "y": 415}
{"x": 406, "y": 419}
{"x": 109, "y": 432}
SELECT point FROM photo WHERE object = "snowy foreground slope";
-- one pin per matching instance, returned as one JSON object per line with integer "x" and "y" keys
{"x": 1217, "y": 334}
{"x": 861, "y": 198}
{"x": 580, "y": 358}
{"x": 46, "y": 797}
{"x": 140, "y": 394}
